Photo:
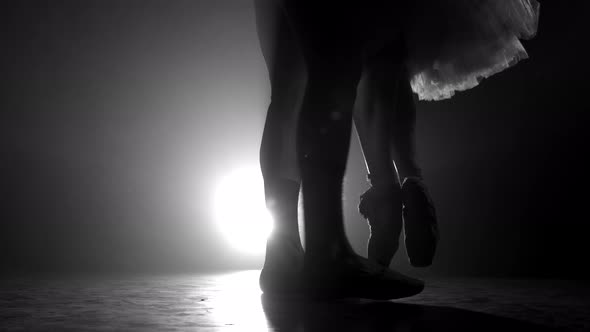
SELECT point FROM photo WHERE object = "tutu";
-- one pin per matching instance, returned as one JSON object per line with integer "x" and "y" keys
{"x": 453, "y": 44}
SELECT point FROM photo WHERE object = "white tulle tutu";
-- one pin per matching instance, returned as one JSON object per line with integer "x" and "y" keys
{"x": 454, "y": 44}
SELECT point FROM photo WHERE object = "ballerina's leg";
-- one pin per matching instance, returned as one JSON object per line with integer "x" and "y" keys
{"x": 403, "y": 133}
{"x": 374, "y": 115}
{"x": 419, "y": 216}
{"x": 421, "y": 234}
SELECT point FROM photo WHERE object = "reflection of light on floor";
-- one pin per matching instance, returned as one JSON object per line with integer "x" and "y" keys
{"x": 232, "y": 302}
{"x": 237, "y": 303}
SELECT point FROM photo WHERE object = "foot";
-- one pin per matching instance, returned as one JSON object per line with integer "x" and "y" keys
{"x": 356, "y": 277}
{"x": 283, "y": 264}
{"x": 420, "y": 224}
{"x": 382, "y": 207}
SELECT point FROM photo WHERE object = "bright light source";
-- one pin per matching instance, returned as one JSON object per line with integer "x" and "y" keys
{"x": 241, "y": 212}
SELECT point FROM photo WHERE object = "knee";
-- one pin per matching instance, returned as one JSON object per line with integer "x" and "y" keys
{"x": 333, "y": 85}
{"x": 287, "y": 84}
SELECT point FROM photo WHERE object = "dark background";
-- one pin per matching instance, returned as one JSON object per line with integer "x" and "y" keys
{"x": 119, "y": 117}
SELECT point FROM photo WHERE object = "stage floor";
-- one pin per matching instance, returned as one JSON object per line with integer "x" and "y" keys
{"x": 233, "y": 302}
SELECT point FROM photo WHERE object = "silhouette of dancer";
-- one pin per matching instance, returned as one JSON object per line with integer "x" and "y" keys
{"x": 331, "y": 49}
{"x": 445, "y": 46}
{"x": 385, "y": 117}
{"x": 329, "y": 259}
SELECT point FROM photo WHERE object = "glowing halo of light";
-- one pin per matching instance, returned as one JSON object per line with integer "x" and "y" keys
{"x": 240, "y": 211}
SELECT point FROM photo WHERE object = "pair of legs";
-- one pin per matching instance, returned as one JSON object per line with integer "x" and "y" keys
{"x": 385, "y": 118}
{"x": 315, "y": 68}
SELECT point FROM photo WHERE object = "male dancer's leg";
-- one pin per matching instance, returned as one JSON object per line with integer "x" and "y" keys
{"x": 278, "y": 161}
{"x": 330, "y": 48}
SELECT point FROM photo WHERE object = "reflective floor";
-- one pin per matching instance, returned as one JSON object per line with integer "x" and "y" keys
{"x": 233, "y": 302}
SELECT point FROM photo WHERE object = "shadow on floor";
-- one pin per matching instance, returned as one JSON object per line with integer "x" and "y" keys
{"x": 355, "y": 315}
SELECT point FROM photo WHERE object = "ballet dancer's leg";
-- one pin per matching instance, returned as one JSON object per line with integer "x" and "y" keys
{"x": 387, "y": 116}
{"x": 323, "y": 141}
{"x": 403, "y": 137}
{"x": 419, "y": 215}
{"x": 374, "y": 117}
{"x": 278, "y": 161}
{"x": 332, "y": 56}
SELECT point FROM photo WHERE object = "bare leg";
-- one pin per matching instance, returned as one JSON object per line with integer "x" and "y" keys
{"x": 331, "y": 53}
{"x": 419, "y": 215}
{"x": 385, "y": 117}
{"x": 403, "y": 137}
{"x": 374, "y": 116}
{"x": 323, "y": 143}
{"x": 385, "y": 120}
{"x": 278, "y": 159}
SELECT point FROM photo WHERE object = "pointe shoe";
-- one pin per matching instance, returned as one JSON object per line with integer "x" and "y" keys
{"x": 381, "y": 205}
{"x": 420, "y": 223}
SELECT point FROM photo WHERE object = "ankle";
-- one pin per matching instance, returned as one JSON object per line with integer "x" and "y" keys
{"x": 383, "y": 180}
{"x": 413, "y": 178}
{"x": 284, "y": 235}
{"x": 328, "y": 251}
